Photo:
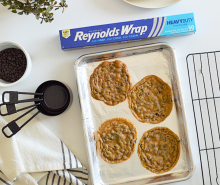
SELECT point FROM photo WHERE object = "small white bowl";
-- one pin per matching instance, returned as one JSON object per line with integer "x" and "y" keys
{"x": 8, "y": 44}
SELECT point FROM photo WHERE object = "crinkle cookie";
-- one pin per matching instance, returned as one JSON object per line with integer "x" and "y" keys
{"x": 110, "y": 82}
{"x": 150, "y": 100}
{"x": 116, "y": 140}
{"x": 159, "y": 150}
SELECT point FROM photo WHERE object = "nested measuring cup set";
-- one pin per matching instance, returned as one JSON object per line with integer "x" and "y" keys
{"x": 51, "y": 98}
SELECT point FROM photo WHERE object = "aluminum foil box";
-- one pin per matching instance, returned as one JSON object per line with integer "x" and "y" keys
{"x": 91, "y": 36}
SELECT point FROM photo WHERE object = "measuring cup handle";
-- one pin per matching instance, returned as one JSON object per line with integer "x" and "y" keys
{"x": 13, "y": 96}
{"x": 13, "y": 126}
{"x": 11, "y": 109}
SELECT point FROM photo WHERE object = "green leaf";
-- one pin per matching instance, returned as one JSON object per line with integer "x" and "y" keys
{"x": 37, "y": 16}
{"x": 20, "y": 5}
{"x": 4, "y": 4}
{"x": 50, "y": 15}
{"x": 27, "y": 9}
{"x": 20, "y": 13}
{"x": 14, "y": 11}
{"x": 48, "y": 9}
{"x": 35, "y": 11}
{"x": 40, "y": 10}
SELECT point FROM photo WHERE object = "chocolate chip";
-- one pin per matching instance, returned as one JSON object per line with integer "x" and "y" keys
{"x": 13, "y": 64}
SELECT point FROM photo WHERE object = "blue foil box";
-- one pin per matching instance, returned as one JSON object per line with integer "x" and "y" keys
{"x": 91, "y": 36}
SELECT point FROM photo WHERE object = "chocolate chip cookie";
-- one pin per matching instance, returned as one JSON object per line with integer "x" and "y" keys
{"x": 159, "y": 150}
{"x": 116, "y": 140}
{"x": 110, "y": 82}
{"x": 150, "y": 100}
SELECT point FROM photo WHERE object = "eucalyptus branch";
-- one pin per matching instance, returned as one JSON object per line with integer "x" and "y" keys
{"x": 40, "y": 8}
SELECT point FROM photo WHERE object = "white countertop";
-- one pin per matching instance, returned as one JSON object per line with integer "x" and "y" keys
{"x": 49, "y": 62}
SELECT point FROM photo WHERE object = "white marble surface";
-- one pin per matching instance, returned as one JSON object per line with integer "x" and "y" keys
{"x": 49, "y": 62}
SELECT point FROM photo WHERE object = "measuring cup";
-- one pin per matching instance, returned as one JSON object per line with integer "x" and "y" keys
{"x": 51, "y": 99}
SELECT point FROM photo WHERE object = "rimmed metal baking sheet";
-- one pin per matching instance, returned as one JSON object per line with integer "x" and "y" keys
{"x": 158, "y": 59}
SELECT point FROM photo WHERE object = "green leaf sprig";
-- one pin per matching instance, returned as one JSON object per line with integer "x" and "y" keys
{"x": 40, "y": 8}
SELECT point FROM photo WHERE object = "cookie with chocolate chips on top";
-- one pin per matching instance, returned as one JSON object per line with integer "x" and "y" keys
{"x": 159, "y": 150}
{"x": 110, "y": 82}
{"x": 150, "y": 100}
{"x": 116, "y": 140}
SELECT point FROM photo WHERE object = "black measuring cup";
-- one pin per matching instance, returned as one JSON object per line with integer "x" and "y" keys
{"x": 51, "y": 98}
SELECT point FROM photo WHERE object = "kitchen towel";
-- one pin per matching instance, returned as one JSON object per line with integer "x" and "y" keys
{"x": 35, "y": 156}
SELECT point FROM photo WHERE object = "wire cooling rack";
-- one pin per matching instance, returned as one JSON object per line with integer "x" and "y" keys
{"x": 203, "y": 71}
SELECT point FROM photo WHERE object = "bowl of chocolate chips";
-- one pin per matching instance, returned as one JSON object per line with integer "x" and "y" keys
{"x": 15, "y": 64}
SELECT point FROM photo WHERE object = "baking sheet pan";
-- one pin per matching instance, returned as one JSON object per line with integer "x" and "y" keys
{"x": 155, "y": 59}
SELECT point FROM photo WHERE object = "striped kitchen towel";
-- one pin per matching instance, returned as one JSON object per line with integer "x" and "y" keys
{"x": 35, "y": 156}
